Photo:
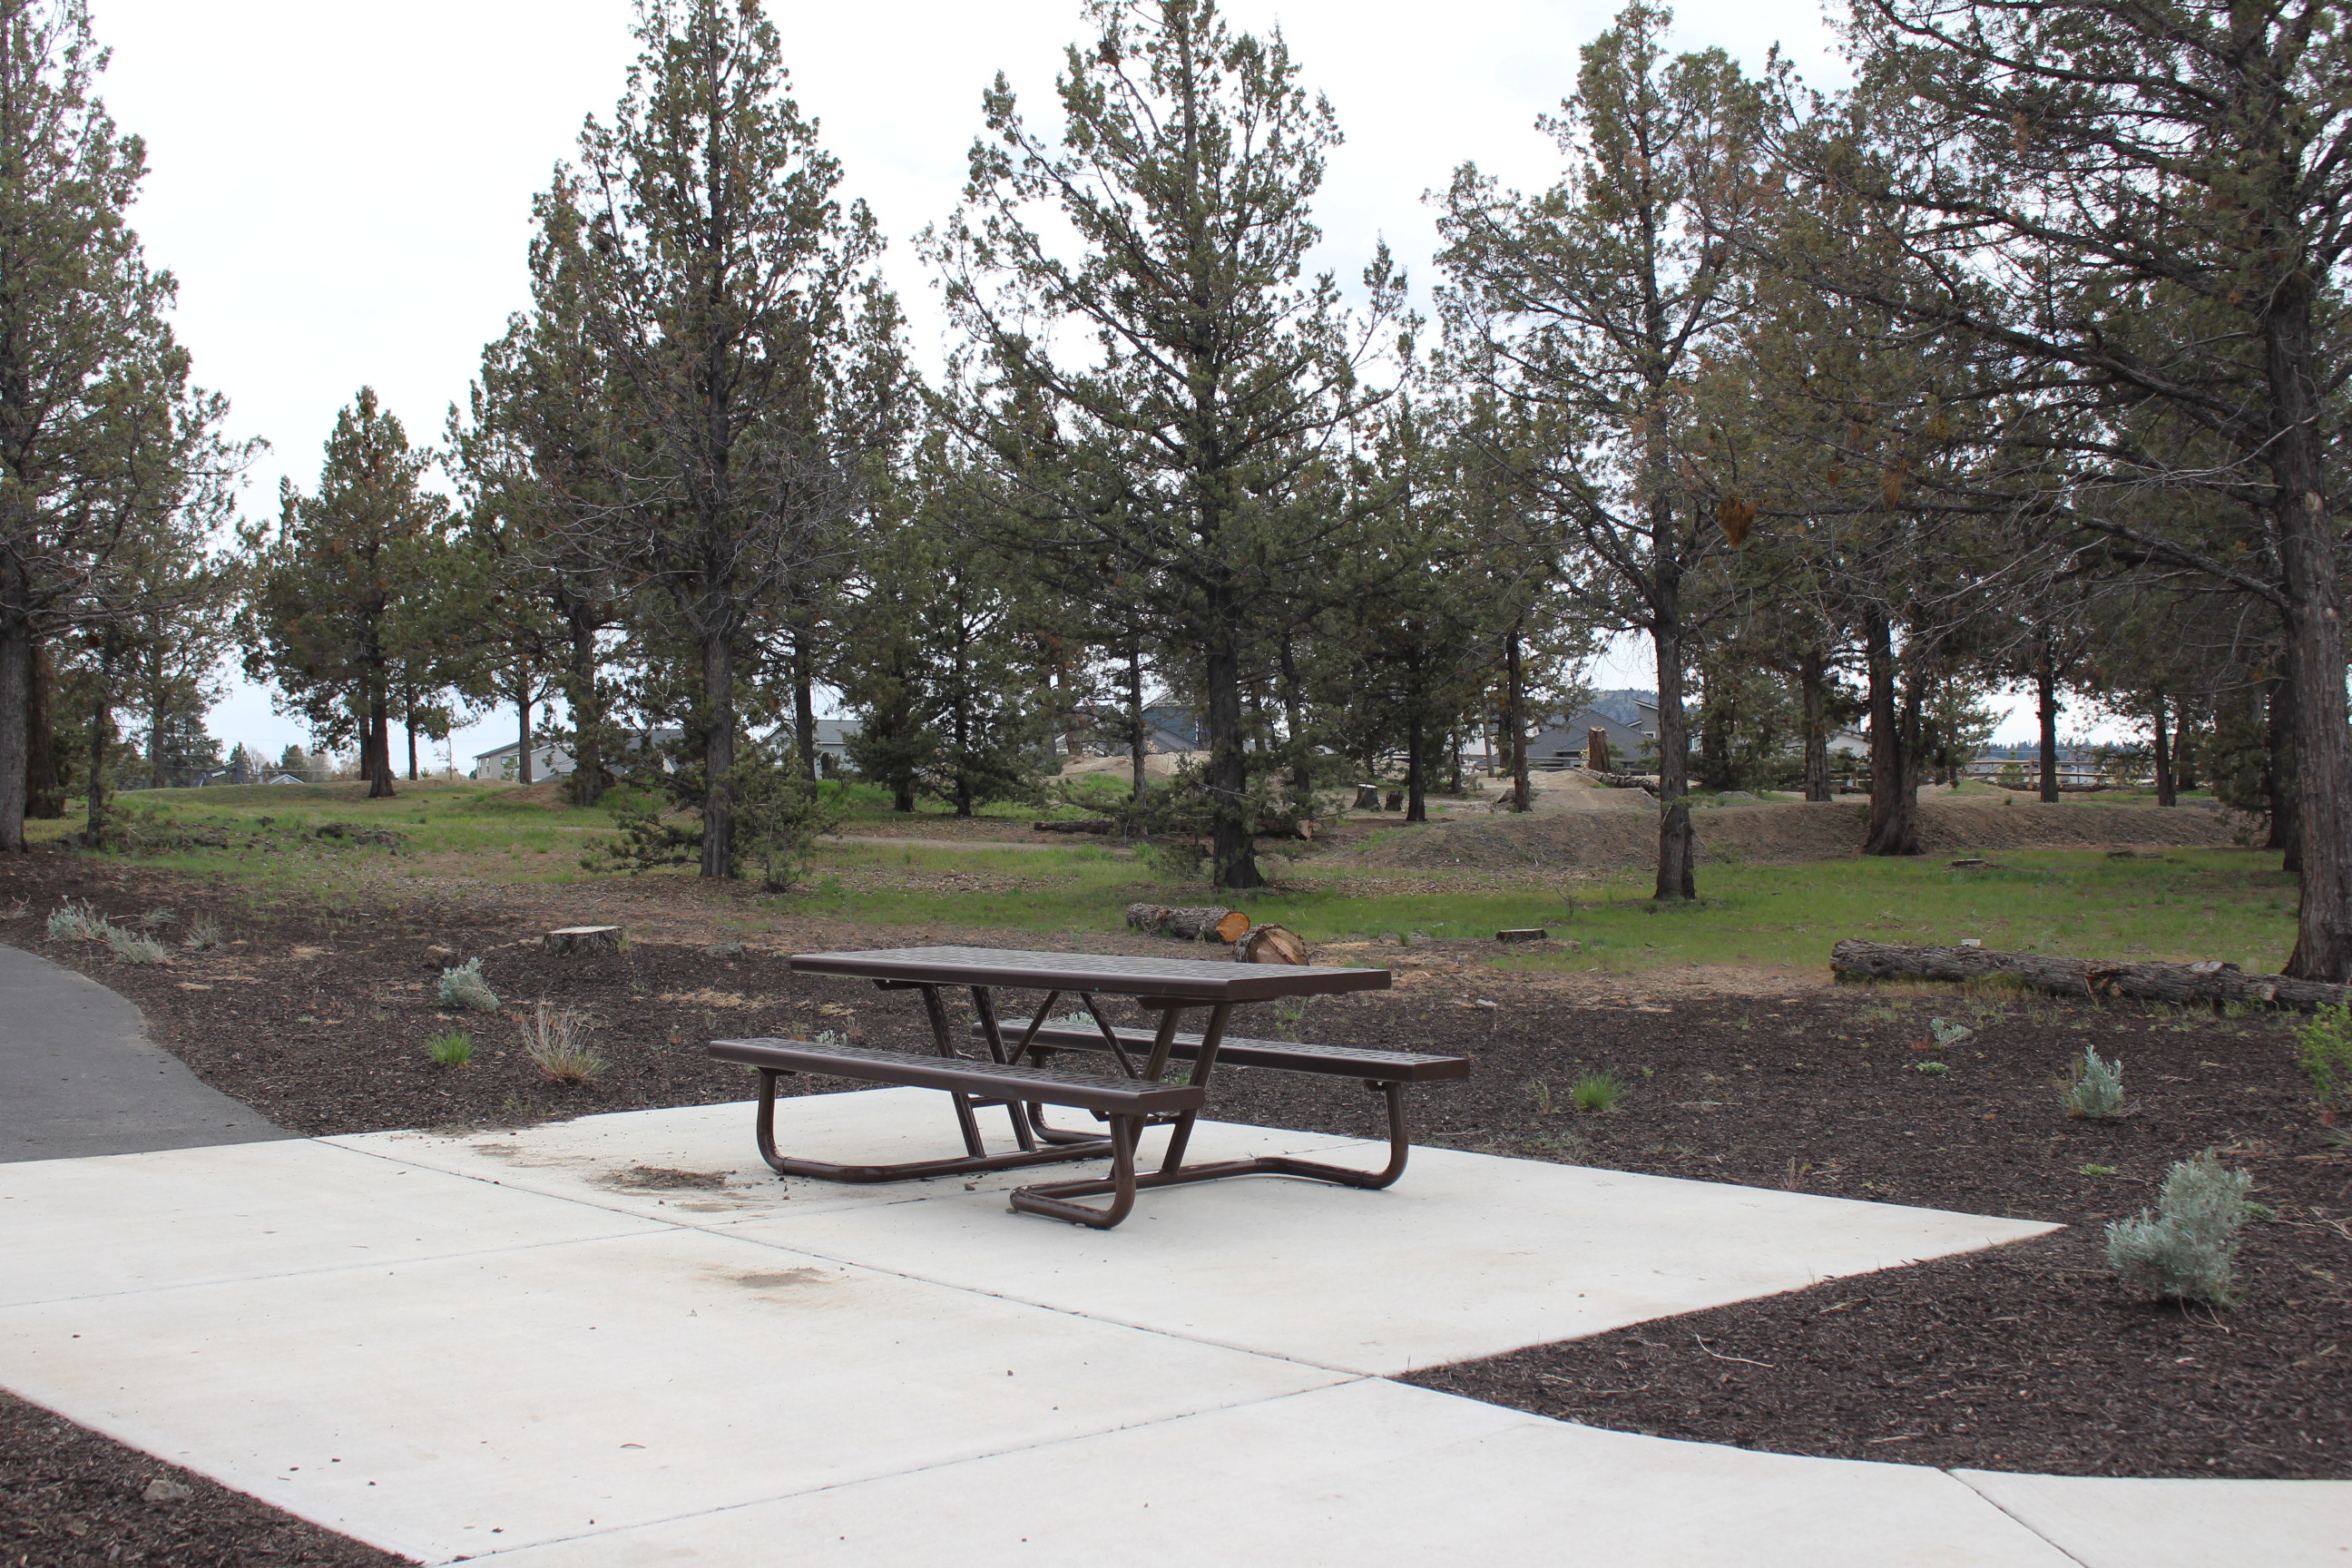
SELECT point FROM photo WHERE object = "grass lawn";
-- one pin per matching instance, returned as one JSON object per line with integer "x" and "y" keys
{"x": 2230, "y": 904}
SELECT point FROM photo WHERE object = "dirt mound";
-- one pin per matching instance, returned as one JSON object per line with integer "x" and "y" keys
{"x": 1787, "y": 833}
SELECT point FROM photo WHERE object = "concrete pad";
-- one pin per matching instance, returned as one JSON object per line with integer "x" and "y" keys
{"x": 79, "y": 1076}
{"x": 254, "y": 1212}
{"x": 2114, "y": 1523}
{"x": 638, "y": 1161}
{"x": 458, "y": 1404}
{"x": 1469, "y": 1255}
{"x": 1368, "y": 1475}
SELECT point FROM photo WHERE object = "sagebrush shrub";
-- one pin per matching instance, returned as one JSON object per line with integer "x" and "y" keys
{"x": 465, "y": 987}
{"x": 2097, "y": 1091}
{"x": 2186, "y": 1251}
{"x": 2324, "y": 1047}
{"x": 132, "y": 948}
{"x": 78, "y": 922}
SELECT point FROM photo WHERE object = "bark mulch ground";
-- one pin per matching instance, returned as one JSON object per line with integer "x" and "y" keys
{"x": 2028, "y": 1358}
{"x": 70, "y": 1498}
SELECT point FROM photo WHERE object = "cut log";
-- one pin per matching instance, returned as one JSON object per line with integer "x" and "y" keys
{"x": 1270, "y": 944}
{"x": 2211, "y": 984}
{"x": 1189, "y": 924}
{"x": 1523, "y": 934}
{"x": 583, "y": 938}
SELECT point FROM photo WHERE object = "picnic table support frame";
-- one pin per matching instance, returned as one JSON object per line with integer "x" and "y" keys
{"x": 1041, "y": 1144}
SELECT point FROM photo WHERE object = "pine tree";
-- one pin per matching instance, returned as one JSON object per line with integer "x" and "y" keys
{"x": 1597, "y": 302}
{"x": 753, "y": 358}
{"x": 346, "y": 598}
{"x": 99, "y": 428}
{"x": 2145, "y": 208}
{"x": 1194, "y": 372}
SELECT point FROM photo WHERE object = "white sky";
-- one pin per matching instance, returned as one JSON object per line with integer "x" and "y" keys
{"x": 343, "y": 191}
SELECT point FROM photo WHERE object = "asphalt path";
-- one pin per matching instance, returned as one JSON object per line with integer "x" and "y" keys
{"x": 79, "y": 1076}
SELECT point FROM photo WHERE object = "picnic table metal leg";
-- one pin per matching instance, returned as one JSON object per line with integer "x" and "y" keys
{"x": 1014, "y": 1111}
{"x": 1120, "y": 1184}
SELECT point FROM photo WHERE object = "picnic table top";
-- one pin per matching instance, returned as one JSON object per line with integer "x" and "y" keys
{"x": 1118, "y": 975}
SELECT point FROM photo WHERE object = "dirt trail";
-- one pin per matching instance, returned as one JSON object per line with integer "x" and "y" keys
{"x": 1787, "y": 833}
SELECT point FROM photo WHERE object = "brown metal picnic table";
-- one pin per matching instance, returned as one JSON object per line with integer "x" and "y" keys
{"x": 1167, "y": 986}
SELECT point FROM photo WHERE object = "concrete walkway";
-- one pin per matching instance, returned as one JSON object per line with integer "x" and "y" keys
{"x": 78, "y": 1076}
{"x": 621, "y": 1342}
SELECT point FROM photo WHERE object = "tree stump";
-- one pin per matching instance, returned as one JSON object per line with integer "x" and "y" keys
{"x": 1270, "y": 944}
{"x": 1191, "y": 924}
{"x": 583, "y": 938}
{"x": 1368, "y": 797}
{"x": 1396, "y": 800}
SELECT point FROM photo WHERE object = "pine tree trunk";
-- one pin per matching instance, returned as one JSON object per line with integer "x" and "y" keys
{"x": 45, "y": 792}
{"x": 101, "y": 737}
{"x": 1812, "y": 676}
{"x": 1232, "y": 854}
{"x": 375, "y": 749}
{"x": 804, "y": 708}
{"x": 587, "y": 714}
{"x": 2310, "y": 557}
{"x": 16, "y": 683}
{"x": 1515, "y": 712}
{"x": 2166, "y": 791}
{"x": 2045, "y": 687}
{"x": 525, "y": 773}
{"x": 2279, "y": 778}
{"x": 1294, "y": 723}
{"x": 717, "y": 755}
{"x": 1893, "y": 779}
{"x": 1677, "y": 876}
{"x": 1416, "y": 794}
{"x": 1135, "y": 713}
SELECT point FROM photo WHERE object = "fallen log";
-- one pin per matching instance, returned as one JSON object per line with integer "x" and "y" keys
{"x": 2211, "y": 984}
{"x": 1270, "y": 944}
{"x": 1189, "y": 924}
{"x": 1078, "y": 824}
{"x": 583, "y": 938}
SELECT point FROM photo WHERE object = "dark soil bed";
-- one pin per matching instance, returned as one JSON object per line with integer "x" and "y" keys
{"x": 70, "y": 1498}
{"x": 2030, "y": 1358}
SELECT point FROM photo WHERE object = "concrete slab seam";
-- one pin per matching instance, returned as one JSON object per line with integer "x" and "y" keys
{"x": 329, "y": 1270}
{"x": 2023, "y": 1523}
{"x": 1345, "y": 1373}
{"x": 1045, "y": 1446}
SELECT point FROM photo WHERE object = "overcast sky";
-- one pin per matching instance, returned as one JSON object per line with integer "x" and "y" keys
{"x": 343, "y": 191}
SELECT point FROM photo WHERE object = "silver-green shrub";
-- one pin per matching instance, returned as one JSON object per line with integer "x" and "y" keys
{"x": 78, "y": 922}
{"x": 2097, "y": 1091}
{"x": 2185, "y": 1250}
{"x": 465, "y": 987}
{"x": 132, "y": 948}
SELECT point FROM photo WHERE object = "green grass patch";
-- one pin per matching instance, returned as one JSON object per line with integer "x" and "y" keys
{"x": 2185, "y": 904}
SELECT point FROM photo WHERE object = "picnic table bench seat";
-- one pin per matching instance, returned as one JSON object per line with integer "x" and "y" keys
{"x": 1283, "y": 1056}
{"x": 1031, "y": 1085}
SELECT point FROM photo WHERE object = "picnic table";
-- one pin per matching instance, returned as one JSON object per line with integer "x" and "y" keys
{"x": 1013, "y": 1075}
